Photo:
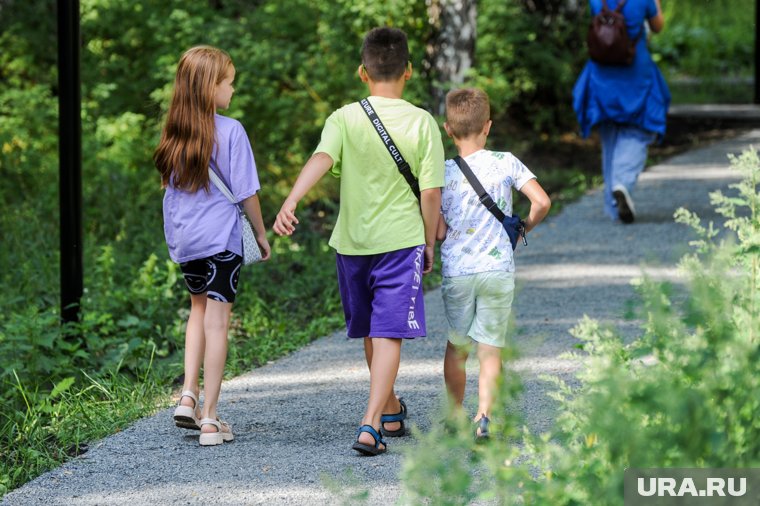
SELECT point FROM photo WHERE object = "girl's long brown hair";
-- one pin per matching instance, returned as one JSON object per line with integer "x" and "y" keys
{"x": 187, "y": 139}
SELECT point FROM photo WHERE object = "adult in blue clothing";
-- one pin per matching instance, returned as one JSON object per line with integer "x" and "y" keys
{"x": 629, "y": 104}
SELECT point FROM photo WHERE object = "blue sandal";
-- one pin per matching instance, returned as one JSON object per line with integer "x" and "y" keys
{"x": 367, "y": 449}
{"x": 397, "y": 417}
{"x": 483, "y": 426}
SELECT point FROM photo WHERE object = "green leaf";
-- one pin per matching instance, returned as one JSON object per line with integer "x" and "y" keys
{"x": 62, "y": 386}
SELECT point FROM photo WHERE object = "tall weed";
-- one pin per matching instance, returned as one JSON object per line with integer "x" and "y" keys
{"x": 684, "y": 394}
{"x": 59, "y": 423}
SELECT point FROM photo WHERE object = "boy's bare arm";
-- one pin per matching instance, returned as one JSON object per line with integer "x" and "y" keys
{"x": 540, "y": 203}
{"x": 442, "y": 228}
{"x": 430, "y": 206}
{"x": 315, "y": 168}
{"x": 253, "y": 210}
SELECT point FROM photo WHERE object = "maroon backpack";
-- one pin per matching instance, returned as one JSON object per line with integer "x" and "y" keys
{"x": 607, "y": 39}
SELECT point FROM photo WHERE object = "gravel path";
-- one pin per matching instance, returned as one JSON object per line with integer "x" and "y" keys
{"x": 295, "y": 419}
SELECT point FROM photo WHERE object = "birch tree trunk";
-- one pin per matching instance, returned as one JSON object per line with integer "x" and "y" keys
{"x": 451, "y": 50}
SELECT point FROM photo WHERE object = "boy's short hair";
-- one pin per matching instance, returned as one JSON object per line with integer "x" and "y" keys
{"x": 385, "y": 54}
{"x": 467, "y": 111}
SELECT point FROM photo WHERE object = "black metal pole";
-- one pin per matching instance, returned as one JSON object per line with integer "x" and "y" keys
{"x": 757, "y": 51}
{"x": 70, "y": 156}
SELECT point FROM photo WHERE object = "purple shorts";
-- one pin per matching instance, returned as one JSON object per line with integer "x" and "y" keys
{"x": 382, "y": 294}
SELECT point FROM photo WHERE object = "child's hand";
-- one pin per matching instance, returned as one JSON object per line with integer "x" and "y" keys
{"x": 429, "y": 259}
{"x": 266, "y": 250}
{"x": 286, "y": 219}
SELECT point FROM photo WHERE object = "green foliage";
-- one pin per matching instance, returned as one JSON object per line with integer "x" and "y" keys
{"x": 685, "y": 394}
{"x": 448, "y": 466}
{"x": 528, "y": 55}
{"x": 706, "y": 50}
{"x": 58, "y": 424}
{"x": 707, "y": 39}
{"x": 296, "y": 62}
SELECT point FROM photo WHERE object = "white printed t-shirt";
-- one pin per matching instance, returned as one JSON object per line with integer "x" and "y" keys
{"x": 475, "y": 239}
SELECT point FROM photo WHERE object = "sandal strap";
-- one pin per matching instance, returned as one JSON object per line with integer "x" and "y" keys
{"x": 211, "y": 421}
{"x": 372, "y": 432}
{"x": 397, "y": 417}
{"x": 189, "y": 393}
{"x": 483, "y": 423}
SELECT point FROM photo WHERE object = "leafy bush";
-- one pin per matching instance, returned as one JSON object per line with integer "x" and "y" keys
{"x": 707, "y": 41}
{"x": 296, "y": 62}
{"x": 685, "y": 394}
{"x": 528, "y": 55}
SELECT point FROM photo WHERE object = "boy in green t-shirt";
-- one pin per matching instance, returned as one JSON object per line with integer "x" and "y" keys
{"x": 384, "y": 236}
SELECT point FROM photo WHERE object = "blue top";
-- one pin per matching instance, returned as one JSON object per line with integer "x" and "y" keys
{"x": 633, "y": 95}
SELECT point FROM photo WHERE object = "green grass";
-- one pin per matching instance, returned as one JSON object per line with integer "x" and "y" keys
{"x": 57, "y": 426}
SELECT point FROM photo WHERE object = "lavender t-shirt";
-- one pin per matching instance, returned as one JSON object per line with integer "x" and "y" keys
{"x": 202, "y": 224}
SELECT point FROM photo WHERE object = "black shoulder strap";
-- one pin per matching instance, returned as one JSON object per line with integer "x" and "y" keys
{"x": 484, "y": 197}
{"x": 403, "y": 166}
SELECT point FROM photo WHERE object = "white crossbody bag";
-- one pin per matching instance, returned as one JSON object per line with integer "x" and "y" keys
{"x": 251, "y": 250}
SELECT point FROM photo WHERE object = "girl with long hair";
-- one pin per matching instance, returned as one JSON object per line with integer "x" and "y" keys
{"x": 202, "y": 227}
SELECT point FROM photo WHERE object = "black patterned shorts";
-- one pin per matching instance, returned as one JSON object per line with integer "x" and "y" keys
{"x": 217, "y": 276}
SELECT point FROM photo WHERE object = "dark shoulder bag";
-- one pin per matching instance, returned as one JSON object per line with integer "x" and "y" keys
{"x": 403, "y": 166}
{"x": 513, "y": 225}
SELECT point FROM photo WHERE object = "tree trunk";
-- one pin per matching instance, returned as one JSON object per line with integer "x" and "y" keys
{"x": 451, "y": 50}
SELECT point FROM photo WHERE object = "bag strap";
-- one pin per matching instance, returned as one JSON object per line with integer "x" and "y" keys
{"x": 223, "y": 188}
{"x": 483, "y": 195}
{"x": 619, "y": 8}
{"x": 401, "y": 163}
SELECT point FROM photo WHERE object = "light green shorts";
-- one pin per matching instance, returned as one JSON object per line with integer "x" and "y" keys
{"x": 478, "y": 307}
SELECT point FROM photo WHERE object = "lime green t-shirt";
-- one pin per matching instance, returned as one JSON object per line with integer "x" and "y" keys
{"x": 378, "y": 211}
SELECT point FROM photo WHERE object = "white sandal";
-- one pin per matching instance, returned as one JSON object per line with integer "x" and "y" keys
{"x": 223, "y": 433}
{"x": 185, "y": 416}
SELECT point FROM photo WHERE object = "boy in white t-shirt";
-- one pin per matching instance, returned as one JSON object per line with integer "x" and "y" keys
{"x": 478, "y": 265}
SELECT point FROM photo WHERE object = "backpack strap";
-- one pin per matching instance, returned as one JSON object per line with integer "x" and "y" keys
{"x": 401, "y": 163}
{"x": 619, "y": 8}
{"x": 483, "y": 195}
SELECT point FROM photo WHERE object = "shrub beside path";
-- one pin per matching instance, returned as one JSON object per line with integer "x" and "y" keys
{"x": 295, "y": 419}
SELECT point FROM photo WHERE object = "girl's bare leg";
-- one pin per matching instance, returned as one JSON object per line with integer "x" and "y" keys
{"x": 195, "y": 343}
{"x": 216, "y": 325}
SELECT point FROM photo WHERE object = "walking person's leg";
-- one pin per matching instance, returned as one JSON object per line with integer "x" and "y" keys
{"x": 223, "y": 272}
{"x": 494, "y": 295}
{"x": 490, "y": 371}
{"x": 195, "y": 343}
{"x": 216, "y": 325}
{"x": 187, "y": 413}
{"x": 628, "y": 162}
{"x": 392, "y": 404}
{"x": 608, "y": 133}
{"x": 458, "y": 295}
{"x": 454, "y": 372}
{"x": 386, "y": 356}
